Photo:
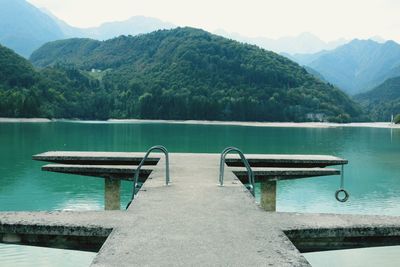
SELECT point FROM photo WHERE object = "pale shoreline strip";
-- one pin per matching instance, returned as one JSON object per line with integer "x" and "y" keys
{"x": 232, "y": 123}
{"x": 24, "y": 120}
{"x": 265, "y": 124}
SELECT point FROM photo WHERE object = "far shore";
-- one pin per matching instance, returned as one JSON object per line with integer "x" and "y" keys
{"x": 266, "y": 124}
{"x": 24, "y": 120}
{"x": 234, "y": 123}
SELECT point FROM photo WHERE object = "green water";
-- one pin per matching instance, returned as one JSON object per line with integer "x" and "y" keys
{"x": 372, "y": 176}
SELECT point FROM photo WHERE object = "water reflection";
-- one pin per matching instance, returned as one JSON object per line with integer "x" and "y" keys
{"x": 22, "y": 256}
{"x": 367, "y": 257}
{"x": 372, "y": 177}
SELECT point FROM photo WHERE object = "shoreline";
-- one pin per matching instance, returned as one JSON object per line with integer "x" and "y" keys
{"x": 266, "y": 124}
{"x": 387, "y": 125}
{"x": 24, "y": 120}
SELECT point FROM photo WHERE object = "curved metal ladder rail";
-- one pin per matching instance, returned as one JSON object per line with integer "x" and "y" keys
{"x": 137, "y": 171}
{"x": 221, "y": 162}
{"x": 250, "y": 173}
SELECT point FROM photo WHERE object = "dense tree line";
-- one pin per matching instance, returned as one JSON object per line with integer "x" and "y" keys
{"x": 383, "y": 101}
{"x": 183, "y": 73}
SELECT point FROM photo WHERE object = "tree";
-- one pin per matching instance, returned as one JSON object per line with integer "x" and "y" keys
{"x": 396, "y": 119}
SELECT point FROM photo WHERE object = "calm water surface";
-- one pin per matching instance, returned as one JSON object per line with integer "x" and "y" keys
{"x": 372, "y": 176}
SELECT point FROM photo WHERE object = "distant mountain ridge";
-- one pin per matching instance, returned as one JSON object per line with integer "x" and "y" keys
{"x": 132, "y": 26}
{"x": 302, "y": 43}
{"x": 24, "y": 28}
{"x": 357, "y": 66}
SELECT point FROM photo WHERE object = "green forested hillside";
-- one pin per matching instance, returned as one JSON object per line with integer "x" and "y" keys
{"x": 188, "y": 73}
{"x": 51, "y": 92}
{"x": 382, "y": 101}
{"x": 15, "y": 71}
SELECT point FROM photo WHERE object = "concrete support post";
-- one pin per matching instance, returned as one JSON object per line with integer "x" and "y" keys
{"x": 112, "y": 193}
{"x": 268, "y": 195}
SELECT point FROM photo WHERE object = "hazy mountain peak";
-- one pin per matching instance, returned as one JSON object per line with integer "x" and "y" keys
{"x": 378, "y": 39}
{"x": 390, "y": 43}
{"x": 132, "y": 26}
{"x": 24, "y": 28}
{"x": 303, "y": 43}
{"x": 356, "y": 66}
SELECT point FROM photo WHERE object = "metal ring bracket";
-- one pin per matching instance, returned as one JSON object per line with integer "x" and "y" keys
{"x": 346, "y": 195}
{"x": 341, "y": 189}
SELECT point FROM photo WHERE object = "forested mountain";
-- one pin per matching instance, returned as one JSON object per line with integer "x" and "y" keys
{"x": 50, "y": 92}
{"x": 15, "y": 71}
{"x": 188, "y": 73}
{"x": 25, "y": 28}
{"x": 357, "y": 66}
{"x": 315, "y": 73}
{"x": 382, "y": 101}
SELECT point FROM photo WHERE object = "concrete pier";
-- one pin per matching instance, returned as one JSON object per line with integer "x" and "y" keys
{"x": 112, "y": 193}
{"x": 268, "y": 196}
{"x": 195, "y": 222}
{"x": 112, "y": 174}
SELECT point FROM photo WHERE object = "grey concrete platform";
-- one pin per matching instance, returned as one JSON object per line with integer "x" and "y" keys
{"x": 95, "y": 157}
{"x": 122, "y": 172}
{"x": 286, "y": 160}
{"x": 262, "y": 174}
{"x": 195, "y": 222}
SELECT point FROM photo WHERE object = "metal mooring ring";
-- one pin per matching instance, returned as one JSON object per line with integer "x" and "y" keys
{"x": 346, "y": 195}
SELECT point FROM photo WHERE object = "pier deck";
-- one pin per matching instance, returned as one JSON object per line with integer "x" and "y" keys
{"x": 195, "y": 222}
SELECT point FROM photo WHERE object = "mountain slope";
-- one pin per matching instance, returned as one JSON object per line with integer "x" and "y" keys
{"x": 24, "y": 28}
{"x": 56, "y": 92}
{"x": 187, "y": 73}
{"x": 15, "y": 71}
{"x": 382, "y": 101}
{"x": 357, "y": 66}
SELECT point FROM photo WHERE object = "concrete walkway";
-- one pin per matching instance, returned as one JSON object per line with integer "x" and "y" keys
{"x": 195, "y": 222}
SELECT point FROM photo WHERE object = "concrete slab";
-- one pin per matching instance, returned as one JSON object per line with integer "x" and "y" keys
{"x": 267, "y": 174}
{"x": 286, "y": 160}
{"x": 95, "y": 157}
{"x": 104, "y": 171}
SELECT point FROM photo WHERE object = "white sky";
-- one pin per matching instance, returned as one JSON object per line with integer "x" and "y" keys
{"x": 328, "y": 19}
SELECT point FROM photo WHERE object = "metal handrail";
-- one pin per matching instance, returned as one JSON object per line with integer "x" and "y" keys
{"x": 137, "y": 171}
{"x": 250, "y": 173}
{"x": 221, "y": 162}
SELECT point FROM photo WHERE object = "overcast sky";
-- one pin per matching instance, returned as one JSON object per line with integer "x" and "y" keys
{"x": 328, "y": 19}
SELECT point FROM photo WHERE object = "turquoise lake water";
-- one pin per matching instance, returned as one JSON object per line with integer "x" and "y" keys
{"x": 372, "y": 176}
